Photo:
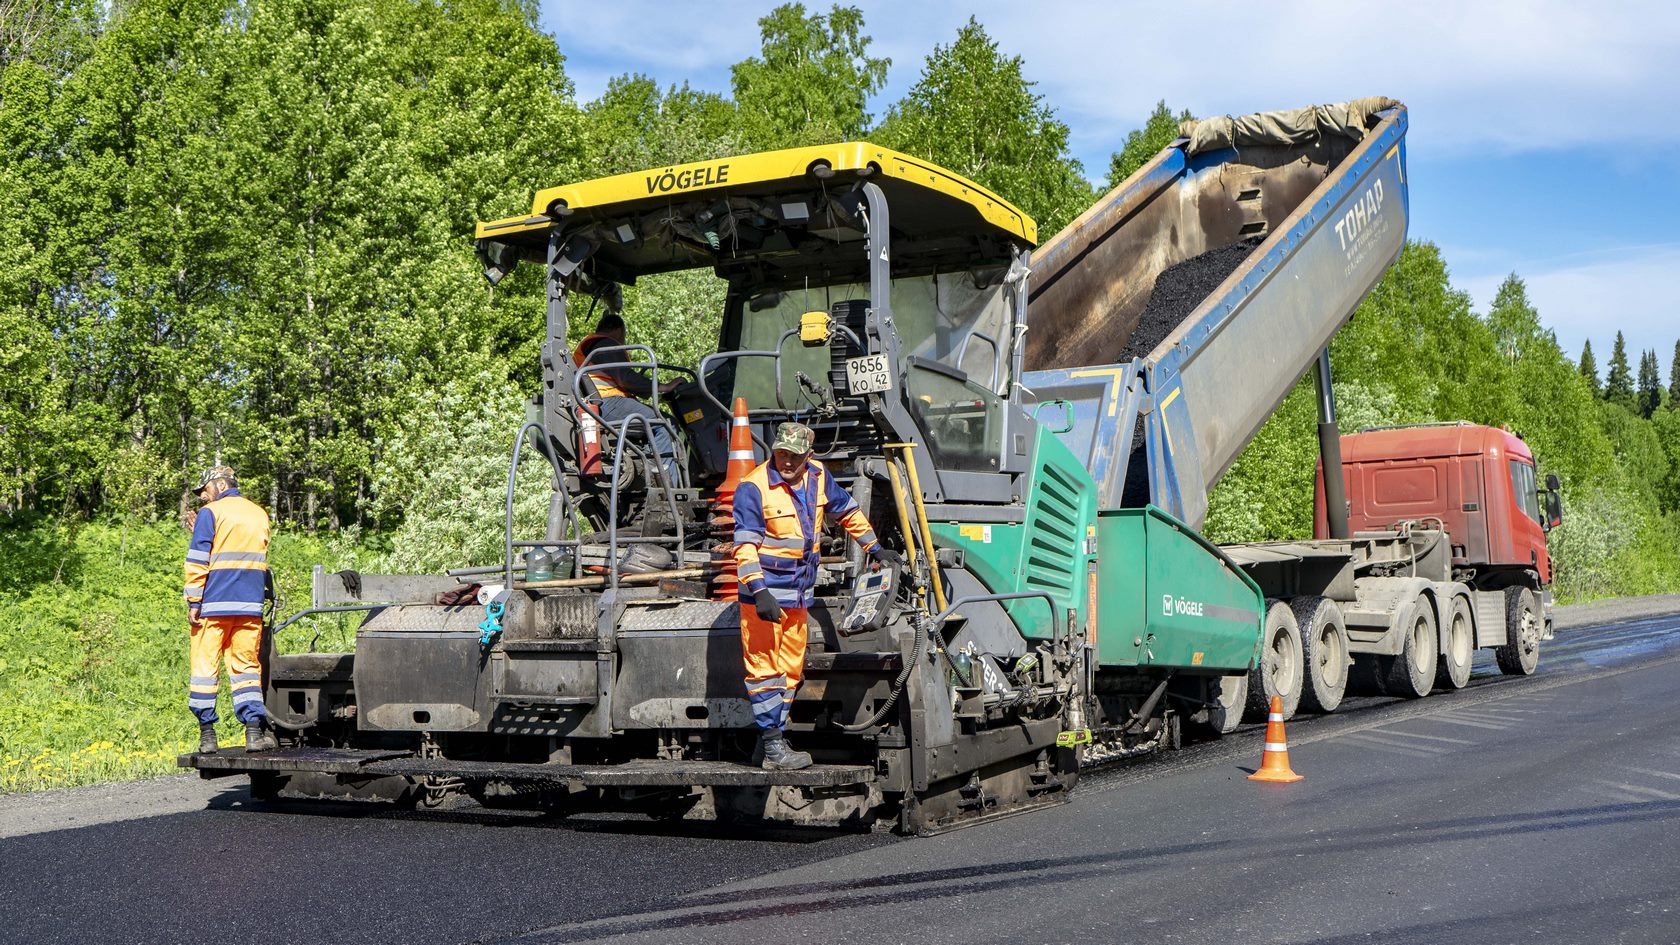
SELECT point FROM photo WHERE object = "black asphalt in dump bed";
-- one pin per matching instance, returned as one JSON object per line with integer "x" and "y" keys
{"x": 1178, "y": 291}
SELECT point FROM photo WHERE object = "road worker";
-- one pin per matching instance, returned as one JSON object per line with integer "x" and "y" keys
{"x": 227, "y": 582}
{"x": 779, "y": 510}
{"x": 618, "y": 388}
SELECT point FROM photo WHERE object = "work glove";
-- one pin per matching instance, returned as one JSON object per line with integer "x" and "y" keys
{"x": 884, "y": 555}
{"x": 765, "y": 602}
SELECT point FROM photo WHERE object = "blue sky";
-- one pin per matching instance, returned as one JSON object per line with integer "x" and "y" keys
{"x": 1545, "y": 136}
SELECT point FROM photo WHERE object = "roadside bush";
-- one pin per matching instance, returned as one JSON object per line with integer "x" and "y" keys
{"x": 93, "y": 663}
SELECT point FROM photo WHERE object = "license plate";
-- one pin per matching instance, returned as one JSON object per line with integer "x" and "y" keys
{"x": 868, "y": 374}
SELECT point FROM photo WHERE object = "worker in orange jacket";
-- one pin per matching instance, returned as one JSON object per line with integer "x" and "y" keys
{"x": 618, "y": 388}
{"x": 226, "y": 585}
{"x": 779, "y": 510}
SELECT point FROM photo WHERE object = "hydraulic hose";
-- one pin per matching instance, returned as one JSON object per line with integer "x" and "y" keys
{"x": 918, "y": 620}
{"x": 922, "y": 523}
{"x": 901, "y": 505}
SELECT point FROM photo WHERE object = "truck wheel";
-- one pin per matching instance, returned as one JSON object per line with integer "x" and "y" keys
{"x": 1324, "y": 653}
{"x": 1228, "y": 696}
{"x": 1454, "y": 669}
{"x": 1412, "y": 673}
{"x": 1278, "y": 672}
{"x": 1367, "y": 673}
{"x": 1520, "y": 655}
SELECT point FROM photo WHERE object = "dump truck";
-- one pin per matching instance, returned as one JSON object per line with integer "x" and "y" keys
{"x": 1034, "y": 428}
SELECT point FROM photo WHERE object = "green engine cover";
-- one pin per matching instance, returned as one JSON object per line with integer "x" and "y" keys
{"x": 1170, "y": 598}
{"x": 1164, "y": 595}
{"x": 1053, "y": 551}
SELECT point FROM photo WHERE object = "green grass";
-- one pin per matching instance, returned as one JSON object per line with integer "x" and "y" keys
{"x": 93, "y": 649}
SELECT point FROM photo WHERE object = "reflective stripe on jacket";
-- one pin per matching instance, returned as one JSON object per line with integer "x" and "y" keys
{"x": 227, "y": 563}
{"x": 777, "y": 528}
{"x": 605, "y": 384}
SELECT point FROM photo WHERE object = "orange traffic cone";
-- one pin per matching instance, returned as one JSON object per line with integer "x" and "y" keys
{"x": 1274, "y": 764}
{"x": 741, "y": 458}
{"x": 741, "y": 462}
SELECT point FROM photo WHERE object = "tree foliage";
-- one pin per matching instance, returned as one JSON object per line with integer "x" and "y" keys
{"x": 1144, "y": 143}
{"x": 1618, "y": 385}
{"x": 245, "y": 233}
{"x": 239, "y": 230}
{"x": 974, "y": 111}
{"x": 1674, "y": 379}
{"x": 811, "y": 82}
{"x": 1589, "y": 367}
{"x": 1650, "y": 385}
{"x": 1415, "y": 352}
{"x": 635, "y": 125}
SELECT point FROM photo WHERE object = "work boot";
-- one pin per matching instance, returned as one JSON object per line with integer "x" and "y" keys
{"x": 779, "y": 755}
{"x": 258, "y": 737}
{"x": 207, "y": 738}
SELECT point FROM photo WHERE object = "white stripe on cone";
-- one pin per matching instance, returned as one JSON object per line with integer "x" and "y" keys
{"x": 1274, "y": 717}
{"x": 1276, "y": 746}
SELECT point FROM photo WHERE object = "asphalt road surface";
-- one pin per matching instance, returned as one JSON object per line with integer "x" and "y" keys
{"x": 1539, "y": 810}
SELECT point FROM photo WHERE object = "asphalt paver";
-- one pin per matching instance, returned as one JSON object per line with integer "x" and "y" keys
{"x": 1544, "y": 809}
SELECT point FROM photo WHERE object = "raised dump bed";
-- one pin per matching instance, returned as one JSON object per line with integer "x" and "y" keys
{"x": 1196, "y": 293}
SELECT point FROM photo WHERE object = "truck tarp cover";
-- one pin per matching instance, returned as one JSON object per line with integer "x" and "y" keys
{"x": 1291, "y": 127}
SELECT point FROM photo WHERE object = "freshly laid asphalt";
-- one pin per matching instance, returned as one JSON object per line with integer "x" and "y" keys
{"x": 1538, "y": 810}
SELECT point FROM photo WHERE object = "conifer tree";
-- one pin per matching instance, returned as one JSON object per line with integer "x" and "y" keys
{"x": 1674, "y": 379}
{"x": 1618, "y": 384}
{"x": 1650, "y": 384}
{"x": 1589, "y": 366}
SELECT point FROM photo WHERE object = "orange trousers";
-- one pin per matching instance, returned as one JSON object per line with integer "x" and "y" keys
{"x": 239, "y": 641}
{"x": 774, "y": 653}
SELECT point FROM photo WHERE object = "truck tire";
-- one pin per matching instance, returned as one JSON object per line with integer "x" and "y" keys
{"x": 1324, "y": 652}
{"x": 1454, "y": 669}
{"x": 1366, "y": 675}
{"x": 1520, "y": 655}
{"x": 1279, "y": 670}
{"x": 1411, "y": 675}
{"x": 1228, "y": 697}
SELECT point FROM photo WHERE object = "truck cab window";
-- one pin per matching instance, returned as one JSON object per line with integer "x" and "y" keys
{"x": 1523, "y": 484}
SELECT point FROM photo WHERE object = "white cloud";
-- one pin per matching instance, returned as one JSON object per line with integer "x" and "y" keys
{"x": 1627, "y": 289}
{"x": 1508, "y": 76}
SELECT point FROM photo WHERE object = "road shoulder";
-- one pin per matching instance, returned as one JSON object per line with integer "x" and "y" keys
{"x": 69, "y": 808}
{"x": 1614, "y": 610}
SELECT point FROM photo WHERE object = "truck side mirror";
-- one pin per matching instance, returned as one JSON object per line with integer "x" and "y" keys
{"x": 1554, "y": 506}
{"x": 1552, "y": 483}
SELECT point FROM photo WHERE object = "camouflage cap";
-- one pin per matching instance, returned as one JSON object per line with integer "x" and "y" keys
{"x": 795, "y": 438}
{"x": 212, "y": 474}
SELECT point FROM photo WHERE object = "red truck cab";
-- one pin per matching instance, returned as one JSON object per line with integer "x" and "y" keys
{"x": 1479, "y": 482}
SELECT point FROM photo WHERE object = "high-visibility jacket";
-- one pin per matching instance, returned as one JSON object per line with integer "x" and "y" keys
{"x": 605, "y": 384}
{"x": 227, "y": 563}
{"x": 778, "y": 526}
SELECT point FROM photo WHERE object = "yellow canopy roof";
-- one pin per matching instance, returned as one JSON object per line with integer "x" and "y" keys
{"x": 674, "y": 217}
